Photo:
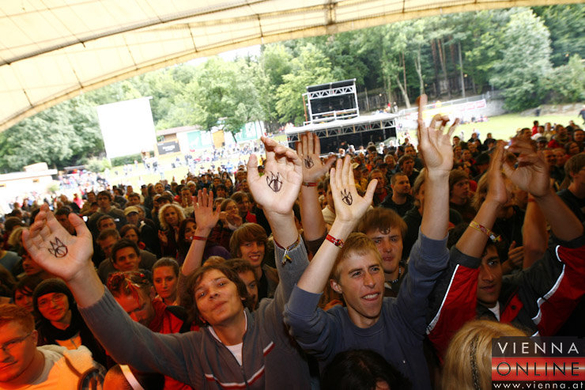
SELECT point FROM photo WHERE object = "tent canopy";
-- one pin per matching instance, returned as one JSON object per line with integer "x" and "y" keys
{"x": 53, "y": 50}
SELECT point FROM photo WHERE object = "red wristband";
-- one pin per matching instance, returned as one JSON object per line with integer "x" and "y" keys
{"x": 309, "y": 184}
{"x": 335, "y": 241}
{"x": 200, "y": 238}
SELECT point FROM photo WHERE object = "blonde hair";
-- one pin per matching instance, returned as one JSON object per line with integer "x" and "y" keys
{"x": 356, "y": 244}
{"x": 468, "y": 361}
{"x": 161, "y": 215}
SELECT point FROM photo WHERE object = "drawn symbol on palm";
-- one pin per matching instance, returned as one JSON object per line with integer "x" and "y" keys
{"x": 309, "y": 163}
{"x": 58, "y": 249}
{"x": 274, "y": 181}
{"x": 346, "y": 197}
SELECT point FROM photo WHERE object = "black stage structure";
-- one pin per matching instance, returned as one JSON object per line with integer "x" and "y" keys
{"x": 332, "y": 113}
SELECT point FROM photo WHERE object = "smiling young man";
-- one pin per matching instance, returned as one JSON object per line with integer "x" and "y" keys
{"x": 249, "y": 243}
{"x": 392, "y": 327}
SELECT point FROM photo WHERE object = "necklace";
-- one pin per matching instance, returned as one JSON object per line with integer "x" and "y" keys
{"x": 399, "y": 275}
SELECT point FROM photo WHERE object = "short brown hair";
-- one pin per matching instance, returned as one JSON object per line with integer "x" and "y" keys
{"x": 12, "y": 313}
{"x": 356, "y": 244}
{"x": 382, "y": 219}
{"x": 248, "y": 232}
{"x": 188, "y": 297}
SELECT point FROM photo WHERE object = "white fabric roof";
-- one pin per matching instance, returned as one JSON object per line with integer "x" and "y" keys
{"x": 52, "y": 50}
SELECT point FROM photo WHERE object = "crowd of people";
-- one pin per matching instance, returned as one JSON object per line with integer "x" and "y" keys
{"x": 374, "y": 270}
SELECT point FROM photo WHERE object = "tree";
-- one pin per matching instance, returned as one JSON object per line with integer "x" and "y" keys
{"x": 525, "y": 62}
{"x": 566, "y": 24}
{"x": 566, "y": 84}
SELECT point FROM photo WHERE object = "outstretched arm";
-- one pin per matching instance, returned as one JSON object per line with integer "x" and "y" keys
{"x": 309, "y": 149}
{"x": 472, "y": 242}
{"x": 64, "y": 255}
{"x": 531, "y": 175}
{"x": 206, "y": 220}
{"x": 349, "y": 208}
{"x": 278, "y": 189}
{"x": 435, "y": 148}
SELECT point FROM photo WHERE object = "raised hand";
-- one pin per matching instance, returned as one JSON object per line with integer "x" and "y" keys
{"x": 532, "y": 173}
{"x": 349, "y": 205}
{"x": 278, "y": 189}
{"x": 309, "y": 149}
{"x": 205, "y": 216}
{"x": 434, "y": 142}
{"x": 54, "y": 249}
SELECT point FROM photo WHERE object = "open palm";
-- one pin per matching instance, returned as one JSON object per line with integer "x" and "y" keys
{"x": 434, "y": 142}
{"x": 278, "y": 189}
{"x": 309, "y": 151}
{"x": 349, "y": 205}
{"x": 54, "y": 249}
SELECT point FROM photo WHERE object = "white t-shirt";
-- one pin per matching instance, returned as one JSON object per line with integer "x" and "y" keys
{"x": 57, "y": 374}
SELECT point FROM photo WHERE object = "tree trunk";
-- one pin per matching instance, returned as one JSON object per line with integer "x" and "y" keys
{"x": 418, "y": 68}
{"x": 404, "y": 93}
{"x": 404, "y": 70}
{"x": 461, "y": 69}
{"x": 443, "y": 66}
{"x": 436, "y": 82}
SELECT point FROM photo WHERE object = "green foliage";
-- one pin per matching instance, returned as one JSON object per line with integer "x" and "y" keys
{"x": 566, "y": 24}
{"x": 525, "y": 62}
{"x": 567, "y": 83}
{"x": 311, "y": 67}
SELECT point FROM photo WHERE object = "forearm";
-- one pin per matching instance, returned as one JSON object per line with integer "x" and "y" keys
{"x": 436, "y": 209}
{"x": 283, "y": 227}
{"x": 86, "y": 286}
{"x": 314, "y": 226}
{"x": 534, "y": 234}
{"x": 473, "y": 241}
{"x": 194, "y": 256}
{"x": 319, "y": 269}
{"x": 564, "y": 224}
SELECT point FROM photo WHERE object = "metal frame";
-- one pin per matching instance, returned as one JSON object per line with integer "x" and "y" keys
{"x": 342, "y": 129}
{"x": 337, "y": 91}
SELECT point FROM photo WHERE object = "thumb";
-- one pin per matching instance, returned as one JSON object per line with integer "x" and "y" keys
{"x": 329, "y": 162}
{"x": 370, "y": 190}
{"x": 253, "y": 168}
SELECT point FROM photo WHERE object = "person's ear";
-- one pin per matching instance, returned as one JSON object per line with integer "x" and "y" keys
{"x": 152, "y": 293}
{"x": 35, "y": 336}
{"x": 335, "y": 286}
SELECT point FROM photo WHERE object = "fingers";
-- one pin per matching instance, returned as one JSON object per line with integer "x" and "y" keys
{"x": 253, "y": 168}
{"x": 310, "y": 143}
{"x": 317, "y": 143}
{"x": 422, "y": 102}
{"x": 346, "y": 172}
{"x": 453, "y": 127}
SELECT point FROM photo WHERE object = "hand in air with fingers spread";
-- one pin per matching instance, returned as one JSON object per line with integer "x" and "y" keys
{"x": 278, "y": 189}
{"x": 309, "y": 149}
{"x": 434, "y": 141}
{"x": 349, "y": 205}
{"x": 54, "y": 249}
